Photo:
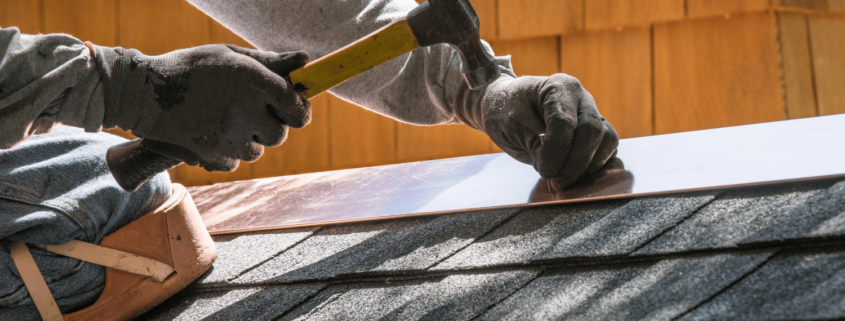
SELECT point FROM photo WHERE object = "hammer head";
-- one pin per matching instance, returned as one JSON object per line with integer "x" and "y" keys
{"x": 454, "y": 22}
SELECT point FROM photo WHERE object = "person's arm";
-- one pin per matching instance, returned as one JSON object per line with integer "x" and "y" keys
{"x": 419, "y": 87}
{"x": 45, "y": 80}
{"x": 425, "y": 87}
{"x": 214, "y": 105}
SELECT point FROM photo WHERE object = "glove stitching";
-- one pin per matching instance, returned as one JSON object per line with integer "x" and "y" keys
{"x": 127, "y": 91}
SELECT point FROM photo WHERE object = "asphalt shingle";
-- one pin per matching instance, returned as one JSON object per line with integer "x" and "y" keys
{"x": 258, "y": 303}
{"x": 558, "y": 294}
{"x": 757, "y": 215}
{"x": 796, "y": 285}
{"x": 658, "y": 291}
{"x": 237, "y": 253}
{"x": 528, "y": 235}
{"x": 582, "y": 230}
{"x": 396, "y": 245}
{"x": 487, "y": 264}
{"x": 457, "y": 297}
{"x": 628, "y": 227}
{"x": 442, "y": 237}
{"x": 823, "y": 215}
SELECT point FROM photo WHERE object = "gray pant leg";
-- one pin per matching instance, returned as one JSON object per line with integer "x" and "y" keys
{"x": 55, "y": 188}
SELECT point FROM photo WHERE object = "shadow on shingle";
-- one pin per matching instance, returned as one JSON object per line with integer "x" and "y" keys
{"x": 766, "y": 214}
{"x": 823, "y": 215}
{"x": 259, "y": 303}
{"x": 395, "y": 246}
{"x": 457, "y": 297}
{"x": 529, "y": 234}
{"x": 652, "y": 291}
{"x": 799, "y": 284}
{"x": 237, "y": 253}
{"x": 590, "y": 230}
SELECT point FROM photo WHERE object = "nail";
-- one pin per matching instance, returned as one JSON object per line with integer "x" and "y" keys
{"x": 548, "y": 181}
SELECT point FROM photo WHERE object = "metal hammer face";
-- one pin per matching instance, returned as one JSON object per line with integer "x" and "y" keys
{"x": 454, "y": 22}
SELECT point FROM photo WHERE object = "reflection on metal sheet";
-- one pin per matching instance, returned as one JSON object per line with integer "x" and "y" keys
{"x": 726, "y": 157}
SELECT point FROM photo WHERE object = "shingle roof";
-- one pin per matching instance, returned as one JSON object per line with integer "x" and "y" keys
{"x": 756, "y": 253}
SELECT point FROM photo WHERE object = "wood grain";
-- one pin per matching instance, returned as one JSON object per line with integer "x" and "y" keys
{"x": 538, "y": 18}
{"x": 707, "y": 8}
{"x": 23, "y": 14}
{"x": 486, "y": 11}
{"x": 88, "y": 20}
{"x": 716, "y": 72}
{"x": 827, "y": 37}
{"x": 818, "y": 5}
{"x": 359, "y": 137}
{"x": 616, "y": 68}
{"x": 493, "y": 148}
{"x": 158, "y": 26}
{"x": 219, "y": 34}
{"x": 799, "y": 93}
{"x": 415, "y": 143}
{"x": 536, "y": 57}
{"x": 808, "y": 6}
{"x": 836, "y": 5}
{"x": 615, "y": 14}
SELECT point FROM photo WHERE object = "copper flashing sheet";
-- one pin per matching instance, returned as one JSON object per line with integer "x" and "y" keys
{"x": 709, "y": 159}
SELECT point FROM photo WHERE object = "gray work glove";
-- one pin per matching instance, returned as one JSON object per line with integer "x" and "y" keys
{"x": 515, "y": 111}
{"x": 215, "y": 104}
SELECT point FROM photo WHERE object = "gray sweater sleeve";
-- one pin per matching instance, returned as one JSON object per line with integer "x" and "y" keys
{"x": 46, "y": 80}
{"x": 421, "y": 87}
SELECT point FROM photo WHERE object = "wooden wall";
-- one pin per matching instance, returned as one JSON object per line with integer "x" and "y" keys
{"x": 654, "y": 67}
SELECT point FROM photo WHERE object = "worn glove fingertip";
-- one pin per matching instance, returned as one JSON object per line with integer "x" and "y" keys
{"x": 301, "y": 56}
{"x": 290, "y": 61}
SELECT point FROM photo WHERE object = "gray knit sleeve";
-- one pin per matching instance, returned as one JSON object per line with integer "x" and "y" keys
{"x": 46, "y": 80}
{"x": 421, "y": 87}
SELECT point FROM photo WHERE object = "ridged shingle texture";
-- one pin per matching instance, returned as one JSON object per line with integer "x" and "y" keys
{"x": 754, "y": 253}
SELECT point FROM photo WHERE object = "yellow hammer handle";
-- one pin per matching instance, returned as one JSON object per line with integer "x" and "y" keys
{"x": 375, "y": 49}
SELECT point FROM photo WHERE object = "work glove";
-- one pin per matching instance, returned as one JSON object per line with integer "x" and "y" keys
{"x": 516, "y": 112}
{"x": 211, "y": 105}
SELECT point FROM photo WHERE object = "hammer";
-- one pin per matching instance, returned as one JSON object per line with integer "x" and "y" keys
{"x": 453, "y": 22}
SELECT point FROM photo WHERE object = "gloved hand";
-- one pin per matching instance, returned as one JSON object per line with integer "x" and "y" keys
{"x": 515, "y": 111}
{"x": 216, "y": 104}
